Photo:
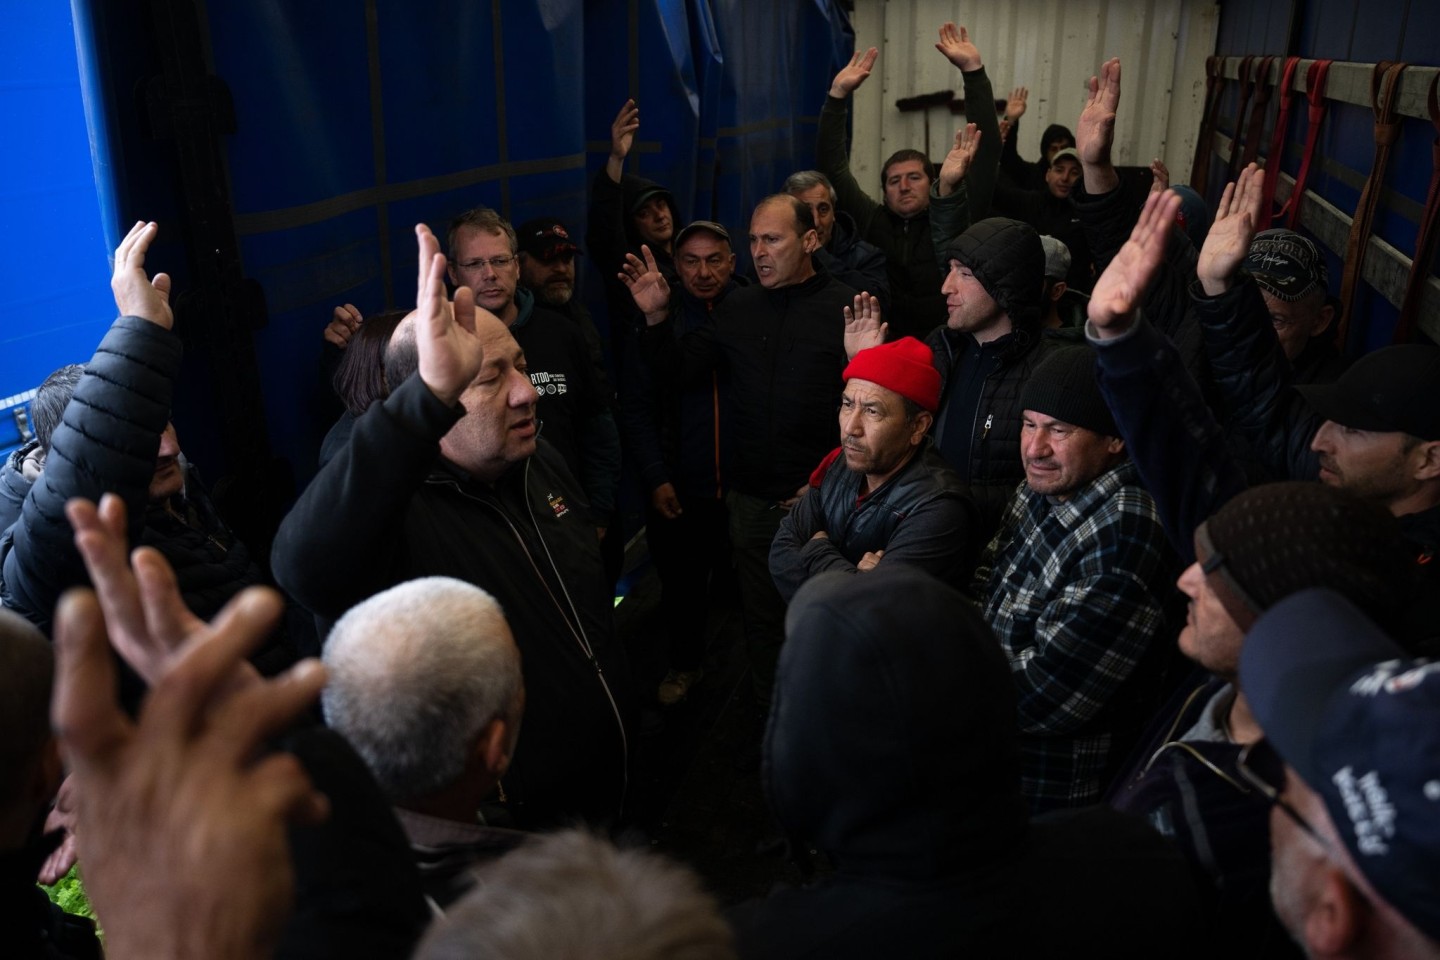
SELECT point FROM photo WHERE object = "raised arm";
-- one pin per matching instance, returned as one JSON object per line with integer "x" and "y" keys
{"x": 107, "y": 439}
{"x": 1095, "y": 131}
{"x": 1169, "y": 431}
{"x": 956, "y": 45}
{"x": 832, "y": 155}
{"x": 950, "y": 210}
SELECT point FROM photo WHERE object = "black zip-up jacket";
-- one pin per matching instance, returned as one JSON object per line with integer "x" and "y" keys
{"x": 995, "y": 468}
{"x": 387, "y": 509}
{"x": 785, "y": 353}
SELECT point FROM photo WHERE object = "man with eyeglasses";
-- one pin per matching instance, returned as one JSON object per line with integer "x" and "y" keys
{"x": 1250, "y": 549}
{"x": 575, "y": 405}
{"x": 1355, "y": 829}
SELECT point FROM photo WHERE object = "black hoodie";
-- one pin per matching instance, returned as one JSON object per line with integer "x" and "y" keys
{"x": 891, "y": 745}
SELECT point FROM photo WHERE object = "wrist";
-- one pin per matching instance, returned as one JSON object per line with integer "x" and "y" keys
{"x": 838, "y": 93}
{"x": 1215, "y": 286}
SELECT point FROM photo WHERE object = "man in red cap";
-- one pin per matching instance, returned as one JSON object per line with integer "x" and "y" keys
{"x": 894, "y": 498}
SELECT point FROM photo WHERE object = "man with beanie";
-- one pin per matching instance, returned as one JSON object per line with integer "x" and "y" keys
{"x": 1351, "y": 762}
{"x": 894, "y": 498}
{"x": 1078, "y": 586}
{"x": 984, "y": 353}
{"x": 1246, "y": 551}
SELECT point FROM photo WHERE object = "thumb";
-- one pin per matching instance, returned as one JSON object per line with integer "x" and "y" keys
{"x": 161, "y": 283}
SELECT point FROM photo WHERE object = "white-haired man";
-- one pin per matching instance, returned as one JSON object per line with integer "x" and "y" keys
{"x": 393, "y": 659}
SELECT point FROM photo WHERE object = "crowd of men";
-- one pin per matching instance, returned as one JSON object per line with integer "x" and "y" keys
{"x": 1111, "y": 633}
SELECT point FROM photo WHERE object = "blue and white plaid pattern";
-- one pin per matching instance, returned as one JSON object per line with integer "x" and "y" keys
{"x": 1076, "y": 594}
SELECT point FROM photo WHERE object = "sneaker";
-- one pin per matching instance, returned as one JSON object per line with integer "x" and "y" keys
{"x": 676, "y": 684}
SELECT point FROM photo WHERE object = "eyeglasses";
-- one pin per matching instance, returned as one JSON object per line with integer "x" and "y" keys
{"x": 1264, "y": 770}
{"x": 496, "y": 263}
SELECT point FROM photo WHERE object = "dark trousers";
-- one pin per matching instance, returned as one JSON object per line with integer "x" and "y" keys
{"x": 689, "y": 552}
{"x": 753, "y": 524}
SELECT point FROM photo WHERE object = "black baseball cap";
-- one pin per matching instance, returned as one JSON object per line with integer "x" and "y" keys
{"x": 545, "y": 239}
{"x": 1392, "y": 389}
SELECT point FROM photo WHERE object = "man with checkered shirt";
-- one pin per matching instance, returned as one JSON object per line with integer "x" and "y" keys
{"x": 1078, "y": 586}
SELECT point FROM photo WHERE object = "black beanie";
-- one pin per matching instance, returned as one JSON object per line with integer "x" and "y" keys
{"x": 1063, "y": 386}
{"x": 1279, "y": 538}
{"x": 1007, "y": 258}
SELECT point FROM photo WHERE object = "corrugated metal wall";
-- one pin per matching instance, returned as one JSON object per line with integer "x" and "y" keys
{"x": 1051, "y": 46}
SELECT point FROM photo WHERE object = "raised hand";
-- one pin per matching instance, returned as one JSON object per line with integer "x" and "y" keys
{"x": 955, "y": 44}
{"x": 186, "y": 794}
{"x": 647, "y": 286}
{"x": 344, "y": 322}
{"x": 1160, "y": 176}
{"x": 863, "y": 328}
{"x": 450, "y": 352}
{"x": 622, "y": 129}
{"x": 1230, "y": 234}
{"x": 1118, "y": 291}
{"x": 1015, "y": 106}
{"x": 853, "y": 73}
{"x": 136, "y": 295}
{"x": 1095, "y": 130}
{"x": 958, "y": 160}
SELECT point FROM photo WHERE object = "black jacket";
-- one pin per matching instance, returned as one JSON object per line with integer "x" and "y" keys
{"x": 922, "y": 516}
{"x": 855, "y": 262}
{"x": 387, "y": 509}
{"x": 106, "y": 442}
{"x": 994, "y": 467}
{"x": 784, "y": 351}
{"x": 14, "y": 484}
{"x": 610, "y": 234}
{"x": 674, "y": 433}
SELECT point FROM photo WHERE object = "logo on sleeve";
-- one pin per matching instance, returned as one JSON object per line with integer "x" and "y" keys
{"x": 557, "y": 505}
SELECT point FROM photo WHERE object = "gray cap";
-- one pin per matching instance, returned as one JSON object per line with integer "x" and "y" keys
{"x": 708, "y": 225}
{"x": 1057, "y": 258}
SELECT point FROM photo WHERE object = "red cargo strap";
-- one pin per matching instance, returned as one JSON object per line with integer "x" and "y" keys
{"x": 1426, "y": 237}
{"x": 1256, "y": 130}
{"x": 1204, "y": 143}
{"x": 1315, "y": 90}
{"x": 1277, "y": 143}
{"x": 1247, "y": 87}
{"x": 1384, "y": 84}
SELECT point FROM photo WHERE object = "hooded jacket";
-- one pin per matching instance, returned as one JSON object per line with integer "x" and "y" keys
{"x": 611, "y": 234}
{"x": 856, "y": 263}
{"x": 890, "y": 746}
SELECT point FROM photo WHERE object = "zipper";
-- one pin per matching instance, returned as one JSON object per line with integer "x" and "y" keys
{"x": 577, "y": 630}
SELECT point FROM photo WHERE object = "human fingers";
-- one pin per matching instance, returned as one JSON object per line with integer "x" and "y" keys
{"x": 83, "y": 710}
{"x": 244, "y": 721}
{"x": 464, "y": 307}
{"x": 199, "y": 668}
{"x": 166, "y": 615}
{"x": 1227, "y": 196}
{"x": 279, "y": 785}
{"x": 868, "y": 62}
{"x": 650, "y": 266}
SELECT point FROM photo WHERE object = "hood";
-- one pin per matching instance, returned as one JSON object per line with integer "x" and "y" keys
{"x": 844, "y": 235}
{"x": 637, "y": 190}
{"x": 1052, "y": 133}
{"x": 891, "y": 740}
{"x": 1007, "y": 258}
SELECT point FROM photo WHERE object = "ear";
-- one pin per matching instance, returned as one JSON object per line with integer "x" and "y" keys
{"x": 1323, "y": 319}
{"x": 450, "y": 272}
{"x": 1058, "y": 290}
{"x": 811, "y": 241}
{"x": 1114, "y": 445}
{"x": 1336, "y": 919}
{"x": 492, "y": 747}
{"x": 1426, "y": 460}
{"x": 923, "y": 420}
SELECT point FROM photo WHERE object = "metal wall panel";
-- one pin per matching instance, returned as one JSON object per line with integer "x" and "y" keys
{"x": 1051, "y": 46}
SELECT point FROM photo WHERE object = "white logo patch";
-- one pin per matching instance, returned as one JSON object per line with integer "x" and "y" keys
{"x": 1368, "y": 806}
{"x": 549, "y": 384}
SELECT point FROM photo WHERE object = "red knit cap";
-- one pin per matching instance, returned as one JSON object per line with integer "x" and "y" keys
{"x": 906, "y": 366}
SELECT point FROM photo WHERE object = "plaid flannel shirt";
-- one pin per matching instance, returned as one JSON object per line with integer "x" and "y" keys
{"x": 1076, "y": 594}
